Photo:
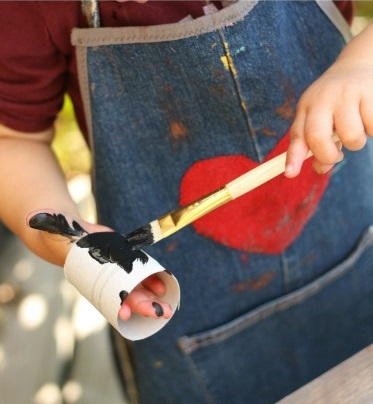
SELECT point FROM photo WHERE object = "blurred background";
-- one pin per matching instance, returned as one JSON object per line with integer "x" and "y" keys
{"x": 54, "y": 346}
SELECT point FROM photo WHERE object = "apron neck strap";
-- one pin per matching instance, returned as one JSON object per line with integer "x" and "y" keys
{"x": 91, "y": 11}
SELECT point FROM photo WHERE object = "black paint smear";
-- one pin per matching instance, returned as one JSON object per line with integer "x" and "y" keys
{"x": 56, "y": 224}
{"x": 123, "y": 296}
{"x": 158, "y": 309}
{"x": 114, "y": 248}
{"x": 141, "y": 237}
{"x": 167, "y": 271}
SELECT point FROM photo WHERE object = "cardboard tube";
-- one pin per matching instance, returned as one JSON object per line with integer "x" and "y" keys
{"x": 101, "y": 284}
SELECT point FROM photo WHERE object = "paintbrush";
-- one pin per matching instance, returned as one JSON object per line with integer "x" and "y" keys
{"x": 172, "y": 222}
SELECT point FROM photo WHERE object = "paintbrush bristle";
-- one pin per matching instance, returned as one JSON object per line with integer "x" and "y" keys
{"x": 145, "y": 235}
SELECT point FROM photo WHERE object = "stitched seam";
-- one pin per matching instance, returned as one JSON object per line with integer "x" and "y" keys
{"x": 237, "y": 86}
{"x": 200, "y": 380}
{"x": 336, "y": 18}
{"x": 285, "y": 272}
{"x": 189, "y": 344}
{"x": 166, "y": 32}
{"x": 82, "y": 64}
{"x": 81, "y": 56}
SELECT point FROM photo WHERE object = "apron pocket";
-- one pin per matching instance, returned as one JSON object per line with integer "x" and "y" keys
{"x": 274, "y": 349}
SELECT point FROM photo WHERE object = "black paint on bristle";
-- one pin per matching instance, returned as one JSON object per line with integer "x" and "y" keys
{"x": 56, "y": 224}
{"x": 123, "y": 296}
{"x": 167, "y": 271}
{"x": 158, "y": 309}
{"x": 112, "y": 247}
{"x": 141, "y": 237}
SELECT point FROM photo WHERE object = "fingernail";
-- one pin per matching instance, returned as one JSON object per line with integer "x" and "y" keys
{"x": 123, "y": 296}
{"x": 158, "y": 309}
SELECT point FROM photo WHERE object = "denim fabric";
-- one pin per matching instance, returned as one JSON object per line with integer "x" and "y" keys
{"x": 160, "y": 107}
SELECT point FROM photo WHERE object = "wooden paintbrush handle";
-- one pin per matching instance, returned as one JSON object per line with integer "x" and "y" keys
{"x": 257, "y": 176}
{"x": 173, "y": 221}
{"x": 261, "y": 174}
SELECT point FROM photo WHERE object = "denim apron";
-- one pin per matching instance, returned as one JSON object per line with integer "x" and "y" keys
{"x": 277, "y": 286}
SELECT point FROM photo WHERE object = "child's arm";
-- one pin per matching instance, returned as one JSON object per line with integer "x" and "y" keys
{"x": 31, "y": 180}
{"x": 341, "y": 100}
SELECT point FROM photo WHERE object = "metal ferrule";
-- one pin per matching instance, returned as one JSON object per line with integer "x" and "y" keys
{"x": 174, "y": 221}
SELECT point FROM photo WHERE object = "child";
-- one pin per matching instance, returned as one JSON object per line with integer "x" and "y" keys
{"x": 175, "y": 110}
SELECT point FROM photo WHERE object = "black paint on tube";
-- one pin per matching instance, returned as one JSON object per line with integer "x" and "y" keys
{"x": 112, "y": 247}
{"x": 56, "y": 224}
{"x": 104, "y": 247}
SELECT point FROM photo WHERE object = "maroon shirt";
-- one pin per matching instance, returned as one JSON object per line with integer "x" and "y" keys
{"x": 37, "y": 61}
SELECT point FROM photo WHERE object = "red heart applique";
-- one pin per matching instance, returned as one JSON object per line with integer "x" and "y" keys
{"x": 267, "y": 219}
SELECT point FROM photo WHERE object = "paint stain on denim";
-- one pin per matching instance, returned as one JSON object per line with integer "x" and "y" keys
{"x": 244, "y": 257}
{"x": 254, "y": 284}
{"x": 286, "y": 110}
{"x": 268, "y": 132}
{"x": 239, "y": 50}
{"x": 178, "y": 130}
{"x": 228, "y": 64}
{"x": 218, "y": 91}
{"x": 172, "y": 246}
{"x": 227, "y": 60}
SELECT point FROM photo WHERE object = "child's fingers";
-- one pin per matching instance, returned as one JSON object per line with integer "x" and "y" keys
{"x": 125, "y": 311}
{"x": 298, "y": 148}
{"x": 324, "y": 168}
{"x": 318, "y": 131}
{"x": 321, "y": 168}
{"x": 155, "y": 285}
{"x": 366, "y": 112}
{"x": 152, "y": 308}
{"x": 349, "y": 126}
{"x": 145, "y": 303}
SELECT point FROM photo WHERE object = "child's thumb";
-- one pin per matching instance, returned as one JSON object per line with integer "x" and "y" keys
{"x": 56, "y": 233}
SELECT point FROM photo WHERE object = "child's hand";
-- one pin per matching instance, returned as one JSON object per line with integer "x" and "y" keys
{"x": 340, "y": 101}
{"x": 144, "y": 300}
{"x": 55, "y": 233}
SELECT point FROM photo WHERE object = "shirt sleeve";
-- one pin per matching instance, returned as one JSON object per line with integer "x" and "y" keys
{"x": 32, "y": 71}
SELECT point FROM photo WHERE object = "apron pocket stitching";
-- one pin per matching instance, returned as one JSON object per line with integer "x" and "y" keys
{"x": 188, "y": 344}
{"x": 165, "y": 32}
{"x": 200, "y": 380}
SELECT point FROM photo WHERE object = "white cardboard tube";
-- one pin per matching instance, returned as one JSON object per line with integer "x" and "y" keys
{"x": 101, "y": 285}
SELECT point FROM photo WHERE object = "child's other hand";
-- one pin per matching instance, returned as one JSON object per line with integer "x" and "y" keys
{"x": 340, "y": 101}
{"x": 143, "y": 300}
